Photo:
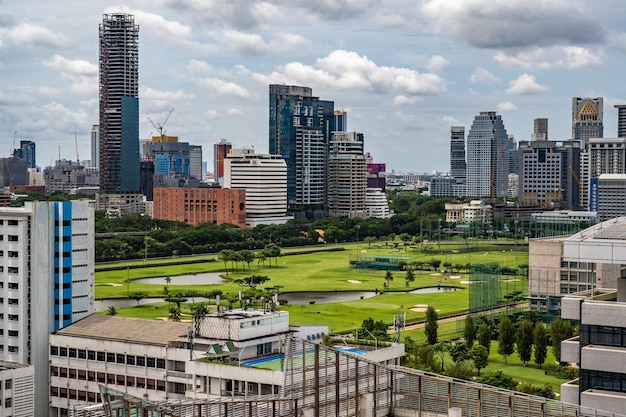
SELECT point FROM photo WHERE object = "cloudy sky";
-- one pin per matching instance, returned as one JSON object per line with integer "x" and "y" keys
{"x": 405, "y": 70}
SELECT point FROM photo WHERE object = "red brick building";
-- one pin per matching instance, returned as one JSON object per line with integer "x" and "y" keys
{"x": 200, "y": 205}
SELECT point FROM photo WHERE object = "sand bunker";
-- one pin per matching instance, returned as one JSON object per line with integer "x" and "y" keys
{"x": 454, "y": 276}
{"x": 421, "y": 308}
{"x": 435, "y": 274}
{"x": 110, "y": 284}
{"x": 354, "y": 281}
{"x": 509, "y": 280}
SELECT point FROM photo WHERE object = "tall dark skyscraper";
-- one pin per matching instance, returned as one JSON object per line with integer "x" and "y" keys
{"x": 27, "y": 151}
{"x": 457, "y": 152}
{"x": 299, "y": 131}
{"x": 119, "y": 104}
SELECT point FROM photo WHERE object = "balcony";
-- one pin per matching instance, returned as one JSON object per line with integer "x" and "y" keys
{"x": 569, "y": 392}
{"x": 570, "y": 350}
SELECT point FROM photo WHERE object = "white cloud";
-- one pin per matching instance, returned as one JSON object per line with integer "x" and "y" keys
{"x": 401, "y": 100}
{"x": 28, "y": 34}
{"x": 437, "y": 64}
{"x": 82, "y": 74}
{"x": 345, "y": 70}
{"x": 482, "y": 76}
{"x": 506, "y": 106}
{"x": 234, "y": 112}
{"x": 225, "y": 88}
{"x": 252, "y": 44}
{"x": 450, "y": 121}
{"x": 211, "y": 114}
{"x": 567, "y": 57}
{"x": 525, "y": 84}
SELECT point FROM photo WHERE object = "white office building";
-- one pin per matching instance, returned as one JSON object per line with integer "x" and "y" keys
{"x": 376, "y": 204}
{"x": 347, "y": 183}
{"x": 219, "y": 355}
{"x": 264, "y": 177}
{"x": 46, "y": 280}
{"x": 17, "y": 394}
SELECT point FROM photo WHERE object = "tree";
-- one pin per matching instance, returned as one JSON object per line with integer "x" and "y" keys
{"x": 506, "y": 338}
{"x": 260, "y": 256}
{"x": 225, "y": 256}
{"x": 247, "y": 257}
{"x": 369, "y": 240}
{"x": 138, "y": 296}
{"x": 272, "y": 251}
{"x": 435, "y": 263}
{"x": 410, "y": 277}
{"x": 480, "y": 356}
{"x": 174, "y": 314}
{"x": 252, "y": 281}
{"x": 484, "y": 336}
{"x": 498, "y": 379}
{"x": 540, "y": 338}
{"x": 111, "y": 311}
{"x": 469, "y": 333}
{"x": 440, "y": 350}
{"x": 430, "y": 328}
{"x": 524, "y": 341}
{"x": 388, "y": 278}
{"x": 459, "y": 351}
{"x": 167, "y": 284}
{"x": 559, "y": 331}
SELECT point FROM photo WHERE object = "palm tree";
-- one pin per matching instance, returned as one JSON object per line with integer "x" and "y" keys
{"x": 410, "y": 277}
{"x": 388, "y": 278}
{"x": 167, "y": 284}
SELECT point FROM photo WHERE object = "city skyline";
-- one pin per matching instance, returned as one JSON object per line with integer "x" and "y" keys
{"x": 404, "y": 71}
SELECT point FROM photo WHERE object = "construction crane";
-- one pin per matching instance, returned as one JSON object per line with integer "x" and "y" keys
{"x": 158, "y": 126}
{"x": 76, "y": 143}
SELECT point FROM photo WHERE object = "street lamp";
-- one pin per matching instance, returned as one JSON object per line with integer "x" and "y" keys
{"x": 128, "y": 280}
{"x": 358, "y": 226}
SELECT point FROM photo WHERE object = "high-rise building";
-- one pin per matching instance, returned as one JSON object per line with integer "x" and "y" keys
{"x": 195, "y": 161}
{"x": 95, "y": 146}
{"x": 487, "y": 157}
{"x": 264, "y": 177}
{"x": 341, "y": 120}
{"x": 119, "y": 104}
{"x": 540, "y": 129}
{"x": 512, "y": 143}
{"x": 458, "y": 167}
{"x": 587, "y": 119}
{"x": 347, "y": 183}
{"x": 47, "y": 278}
{"x": 220, "y": 152}
{"x": 27, "y": 152}
{"x": 300, "y": 126}
{"x": 170, "y": 156}
{"x": 621, "y": 120}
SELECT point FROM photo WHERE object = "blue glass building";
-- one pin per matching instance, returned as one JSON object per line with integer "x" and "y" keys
{"x": 299, "y": 131}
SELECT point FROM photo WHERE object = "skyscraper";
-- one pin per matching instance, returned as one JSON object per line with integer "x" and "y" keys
{"x": 487, "y": 157}
{"x": 220, "y": 152}
{"x": 119, "y": 104}
{"x": 457, "y": 153}
{"x": 300, "y": 126}
{"x": 540, "y": 129}
{"x": 621, "y": 120}
{"x": 587, "y": 119}
{"x": 26, "y": 151}
{"x": 341, "y": 120}
{"x": 347, "y": 175}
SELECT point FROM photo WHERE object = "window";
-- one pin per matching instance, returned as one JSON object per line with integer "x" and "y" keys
{"x": 160, "y": 363}
{"x": 72, "y": 353}
{"x": 151, "y": 362}
{"x": 110, "y": 357}
{"x": 8, "y": 402}
{"x": 13, "y": 333}
{"x": 101, "y": 356}
{"x": 13, "y": 349}
{"x": 13, "y": 238}
{"x": 130, "y": 360}
{"x": 63, "y": 351}
{"x": 141, "y": 361}
{"x": 54, "y": 350}
{"x": 8, "y": 384}
{"x": 91, "y": 355}
{"x": 82, "y": 354}
{"x": 119, "y": 358}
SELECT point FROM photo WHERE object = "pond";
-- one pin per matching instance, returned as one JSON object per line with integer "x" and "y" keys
{"x": 433, "y": 290}
{"x": 103, "y": 305}
{"x": 321, "y": 297}
{"x": 206, "y": 278}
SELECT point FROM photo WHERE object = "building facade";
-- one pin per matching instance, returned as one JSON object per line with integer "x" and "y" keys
{"x": 457, "y": 153}
{"x": 487, "y": 157}
{"x": 608, "y": 196}
{"x": 27, "y": 151}
{"x": 95, "y": 146}
{"x": 587, "y": 119}
{"x": 69, "y": 177}
{"x": 300, "y": 126}
{"x": 376, "y": 204}
{"x": 46, "y": 280}
{"x": 17, "y": 383}
{"x": 200, "y": 205}
{"x": 264, "y": 179}
{"x": 119, "y": 104}
{"x": 540, "y": 129}
{"x": 347, "y": 168}
{"x": 220, "y": 153}
{"x": 195, "y": 162}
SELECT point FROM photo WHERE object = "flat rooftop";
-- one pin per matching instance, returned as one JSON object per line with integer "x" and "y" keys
{"x": 101, "y": 327}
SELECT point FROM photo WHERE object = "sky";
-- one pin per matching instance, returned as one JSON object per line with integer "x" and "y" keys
{"x": 404, "y": 70}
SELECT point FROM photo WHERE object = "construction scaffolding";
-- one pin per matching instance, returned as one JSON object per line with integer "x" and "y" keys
{"x": 324, "y": 382}
{"x": 484, "y": 288}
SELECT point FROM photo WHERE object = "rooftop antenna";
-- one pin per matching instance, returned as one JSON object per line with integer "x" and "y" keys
{"x": 13, "y": 148}
{"x": 158, "y": 126}
{"x": 76, "y": 143}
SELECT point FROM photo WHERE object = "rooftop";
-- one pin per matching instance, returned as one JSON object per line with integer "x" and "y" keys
{"x": 103, "y": 327}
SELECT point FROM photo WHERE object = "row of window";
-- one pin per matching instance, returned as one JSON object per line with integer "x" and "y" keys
{"x": 11, "y": 333}
{"x": 602, "y": 335}
{"x": 109, "y": 357}
{"x": 608, "y": 381}
{"x": 72, "y": 394}
{"x": 9, "y": 222}
{"x": 10, "y": 285}
{"x": 106, "y": 378}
